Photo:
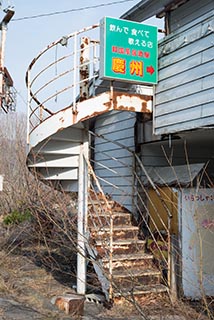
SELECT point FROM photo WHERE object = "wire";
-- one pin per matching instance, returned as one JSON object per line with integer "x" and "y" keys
{"x": 71, "y": 10}
{"x": 19, "y": 94}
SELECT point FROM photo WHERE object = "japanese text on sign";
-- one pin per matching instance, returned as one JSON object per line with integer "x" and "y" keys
{"x": 131, "y": 49}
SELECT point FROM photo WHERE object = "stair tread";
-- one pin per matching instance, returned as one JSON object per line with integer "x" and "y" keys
{"x": 115, "y": 228}
{"x": 127, "y": 241}
{"x": 100, "y": 201}
{"x": 134, "y": 272}
{"x": 142, "y": 289}
{"x": 131, "y": 256}
{"x": 107, "y": 214}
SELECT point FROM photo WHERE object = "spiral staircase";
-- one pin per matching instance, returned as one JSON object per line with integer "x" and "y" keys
{"x": 64, "y": 97}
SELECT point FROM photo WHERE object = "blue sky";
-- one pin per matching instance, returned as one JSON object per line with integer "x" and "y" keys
{"x": 25, "y": 38}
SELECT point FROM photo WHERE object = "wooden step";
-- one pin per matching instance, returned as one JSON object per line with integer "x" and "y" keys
{"x": 121, "y": 262}
{"x": 121, "y": 247}
{"x": 132, "y": 278}
{"x": 103, "y": 219}
{"x": 119, "y": 233}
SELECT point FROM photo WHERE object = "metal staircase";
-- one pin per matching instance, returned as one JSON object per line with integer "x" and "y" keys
{"x": 129, "y": 271}
{"x": 61, "y": 105}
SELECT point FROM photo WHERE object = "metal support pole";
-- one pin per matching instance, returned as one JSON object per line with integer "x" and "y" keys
{"x": 2, "y": 50}
{"x": 82, "y": 215}
{"x": 28, "y": 107}
{"x": 84, "y": 68}
{"x": 3, "y": 28}
{"x": 75, "y": 73}
{"x": 174, "y": 268}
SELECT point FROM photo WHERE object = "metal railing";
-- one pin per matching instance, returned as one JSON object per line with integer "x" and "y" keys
{"x": 54, "y": 79}
{"x": 70, "y": 69}
{"x": 109, "y": 190}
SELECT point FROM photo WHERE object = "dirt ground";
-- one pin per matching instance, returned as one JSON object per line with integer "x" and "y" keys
{"x": 31, "y": 274}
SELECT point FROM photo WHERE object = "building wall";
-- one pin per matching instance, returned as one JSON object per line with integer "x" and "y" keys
{"x": 157, "y": 210}
{"x": 188, "y": 12}
{"x": 197, "y": 236}
{"x": 113, "y": 163}
{"x": 184, "y": 94}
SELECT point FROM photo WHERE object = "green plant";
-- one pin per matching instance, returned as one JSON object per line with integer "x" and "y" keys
{"x": 17, "y": 217}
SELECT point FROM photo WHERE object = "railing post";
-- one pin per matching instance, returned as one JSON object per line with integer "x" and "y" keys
{"x": 84, "y": 68}
{"x": 28, "y": 106}
{"x": 75, "y": 73}
{"x": 174, "y": 268}
{"x": 94, "y": 66}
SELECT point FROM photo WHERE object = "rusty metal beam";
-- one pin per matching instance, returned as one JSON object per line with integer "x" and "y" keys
{"x": 84, "y": 68}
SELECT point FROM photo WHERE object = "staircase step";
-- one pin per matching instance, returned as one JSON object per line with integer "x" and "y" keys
{"x": 57, "y": 147}
{"x": 103, "y": 219}
{"x": 100, "y": 206}
{"x": 129, "y": 279}
{"x": 119, "y": 232}
{"x": 54, "y": 161}
{"x": 141, "y": 291}
{"x": 58, "y": 173}
{"x": 127, "y": 261}
{"x": 121, "y": 247}
{"x": 133, "y": 270}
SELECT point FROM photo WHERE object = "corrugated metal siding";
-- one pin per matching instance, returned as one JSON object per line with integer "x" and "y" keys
{"x": 118, "y": 127}
{"x": 184, "y": 94}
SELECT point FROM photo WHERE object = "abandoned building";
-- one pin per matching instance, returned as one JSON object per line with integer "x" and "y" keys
{"x": 138, "y": 152}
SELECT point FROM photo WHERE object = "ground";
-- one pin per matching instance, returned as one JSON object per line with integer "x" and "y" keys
{"x": 31, "y": 275}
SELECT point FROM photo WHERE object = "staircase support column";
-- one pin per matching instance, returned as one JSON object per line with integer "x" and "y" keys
{"x": 82, "y": 218}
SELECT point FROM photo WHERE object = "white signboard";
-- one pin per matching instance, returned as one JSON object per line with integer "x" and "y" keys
{"x": 198, "y": 242}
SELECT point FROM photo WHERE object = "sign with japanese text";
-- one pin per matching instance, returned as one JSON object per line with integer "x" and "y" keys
{"x": 128, "y": 51}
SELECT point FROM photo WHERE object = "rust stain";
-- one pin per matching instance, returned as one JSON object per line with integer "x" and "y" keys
{"x": 107, "y": 104}
{"x": 143, "y": 99}
{"x": 144, "y": 107}
{"x": 60, "y": 129}
{"x": 61, "y": 119}
{"x": 121, "y": 107}
{"x": 74, "y": 113}
{"x": 95, "y": 114}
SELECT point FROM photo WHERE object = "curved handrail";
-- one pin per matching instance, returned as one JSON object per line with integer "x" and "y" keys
{"x": 45, "y": 83}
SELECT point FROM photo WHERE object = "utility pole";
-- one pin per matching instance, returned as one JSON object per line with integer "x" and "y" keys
{"x": 6, "y": 82}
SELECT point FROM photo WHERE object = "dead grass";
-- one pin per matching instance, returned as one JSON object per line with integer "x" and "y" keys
{"x": 28, "y": 275}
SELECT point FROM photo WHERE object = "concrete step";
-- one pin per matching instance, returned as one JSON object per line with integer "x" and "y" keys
{"x": 119, "y": 233}
{"x": 120, "y": 247}
{"x": 123, "y": 262}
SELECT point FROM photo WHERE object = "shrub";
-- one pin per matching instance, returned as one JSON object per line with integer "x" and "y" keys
{"x": 17, "y": 217}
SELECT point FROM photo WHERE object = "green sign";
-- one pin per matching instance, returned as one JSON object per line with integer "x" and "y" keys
{"x": 128, "y": 51}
